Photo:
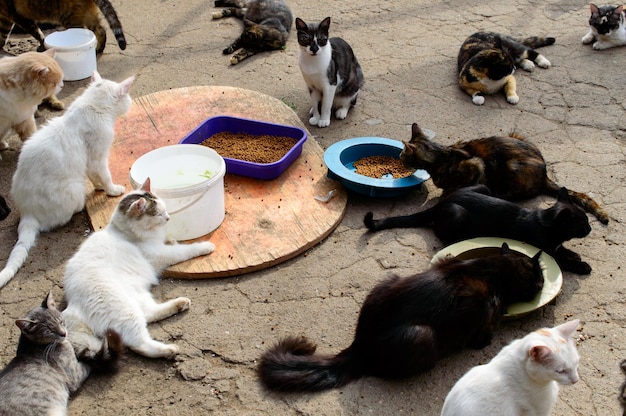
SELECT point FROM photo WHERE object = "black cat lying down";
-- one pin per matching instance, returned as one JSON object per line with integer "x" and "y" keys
{"x": 407, "y": 324}
{"x": 472, "y": 212}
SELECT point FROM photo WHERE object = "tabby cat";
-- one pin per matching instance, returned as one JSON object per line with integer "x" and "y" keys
{"x": 45, "y": 370}
{"x": 406, "y": 324}
{"x": 487, "y": 61}
{"x": 266, "y": 26}
{"x": 332, "y": 73}
{"x": 107, "y": 281}
{"x": 472, "y": 212}
{"x": 25, "y": 80}
{"x": 523, "y": 379}
{"x": 511, "y": 167}
{"x": 68, "y": 13}
{"x": 607, "y": 27}
{"x": 49, "y": 184}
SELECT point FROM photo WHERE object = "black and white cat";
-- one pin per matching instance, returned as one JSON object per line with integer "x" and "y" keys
{"x": 331, "y": 71}
{"x": 607, "y": 27}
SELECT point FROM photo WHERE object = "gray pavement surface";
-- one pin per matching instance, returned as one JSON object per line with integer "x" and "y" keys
{"x": 575, "y": 112}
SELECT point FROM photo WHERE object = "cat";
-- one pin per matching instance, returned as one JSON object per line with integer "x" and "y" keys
{"x": 266, "y": 26}
{"x": 607, "y": 27}
{"x": 523, "y": 379}
{"x": 331, "y": 71}
{"x": 622, "y": 390}
{"x": 25, "y": 81}
{"x": 487, "y": 61}
{"x": 472, "y": 212}
{"x": 511, "y": 167}
{"x": 5, "y": 210}
{"x": 49, "y": 184}
{"x": 68, "y": 13}
{"x": 107, "y": 281}
{"x": 45, "y": 370}
{"x": 406, "y": 324}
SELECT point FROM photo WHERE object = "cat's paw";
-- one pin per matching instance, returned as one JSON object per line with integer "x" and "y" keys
{"x": 478, "y": 99}
{"x": 513, "y": 99}
{"x": 314, "y": 120}
{"x": 598, "y": 46}
{"x": 170, "y": 351}
{"x": 341, "y": 113}
{"x": 542, "y": 62}
{"x": 323, "y": 122}
{"x": 115, "y": 190}
{"x": 527, "y": 65}
{"x": 588, "y": 38}
{"x": 205, "y": 247}
{"x": 182, "y": 304}
{"x": 4, "y": 145}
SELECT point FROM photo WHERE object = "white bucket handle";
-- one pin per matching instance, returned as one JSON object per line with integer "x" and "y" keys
{"x": 189, "y": 204}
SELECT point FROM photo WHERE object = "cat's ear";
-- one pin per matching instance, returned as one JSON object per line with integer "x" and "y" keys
{"x": 537, "y": 256}
{"x": 505, "y": 249}
{"x": 568, "y": 328}
{"x": 146, "y": 185}
{"x": 539, "y": 353}
{"x": 95, "y": 77}
{"x": 126, "y": 85}
{"x": 409, "y": 149}
{"x": 301, "y": 25}
{"x": 50, "y": 52}
{"x": 562, "y": 195}
{"x": 137, "y": 208}
{"x": 617, "y": 12}
{"x": 325, "y": 25}
{"x": 49, "y": 302}
{"x": 417, "y": 133}
{"x": 25, "y": 325}
{"x": 593, "y": 8}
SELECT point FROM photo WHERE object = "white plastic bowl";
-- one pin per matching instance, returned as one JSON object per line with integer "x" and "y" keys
{"x": 75, "y": 52}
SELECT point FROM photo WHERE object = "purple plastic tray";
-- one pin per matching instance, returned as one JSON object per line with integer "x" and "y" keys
{"x": 218, "y": 124}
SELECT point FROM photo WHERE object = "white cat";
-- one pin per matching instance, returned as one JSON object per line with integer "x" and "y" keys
{"x": 26, "y": 80}
{"x": 107, "y": 282}
{"x": 607, "y": 27}
{"x": 49, "y": 184}
{"x": 522, "y": 379}
{"x": 332, "y": 73}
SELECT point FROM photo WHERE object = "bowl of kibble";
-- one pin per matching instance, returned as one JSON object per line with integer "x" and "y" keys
{"x": 249, "y": 147}
{"x": 371, "y": 166}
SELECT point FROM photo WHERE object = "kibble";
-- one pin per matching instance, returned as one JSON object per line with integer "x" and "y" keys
{"x": 250, "y": 147}
{"x": 378, "y": 166}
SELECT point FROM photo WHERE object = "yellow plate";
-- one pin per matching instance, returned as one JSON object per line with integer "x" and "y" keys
{"x": 479, "y": 247}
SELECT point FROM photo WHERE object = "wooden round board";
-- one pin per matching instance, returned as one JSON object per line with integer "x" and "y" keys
{"x": 266, "y": 222}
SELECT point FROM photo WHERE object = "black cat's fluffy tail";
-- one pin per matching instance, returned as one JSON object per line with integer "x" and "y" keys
{"x": 581, "y": 199}
{"x": 419, "y": 219}
{"x": 538, "y": 41}
{"x": 290, "y": 366}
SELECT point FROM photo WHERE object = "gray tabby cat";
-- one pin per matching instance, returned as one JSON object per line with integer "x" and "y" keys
{"x": 45, "y": 370}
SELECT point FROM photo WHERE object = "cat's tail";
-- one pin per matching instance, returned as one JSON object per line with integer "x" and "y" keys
{"x": 419, "y": 219}
{"x": 27, "y": 232}
{"x": 107, "y": 358}
{"x": 110, "y": 15}
{"x": 291, "y": 366}
{"x": 581, "y": 199}
{"x": 538, "y": 41}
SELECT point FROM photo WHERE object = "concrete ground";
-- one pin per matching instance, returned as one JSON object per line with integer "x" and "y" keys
{"x": 574, "y": 112}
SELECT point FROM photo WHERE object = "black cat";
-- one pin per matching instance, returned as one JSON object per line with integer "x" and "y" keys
{"x": 407, "y": 324}
{"x": 4, "y": 208}
{"x": 472, "y": 212}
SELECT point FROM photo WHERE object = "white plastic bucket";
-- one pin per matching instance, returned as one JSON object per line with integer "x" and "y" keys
{"x": 75, "y": 52}
{"x": 190, "y": 180}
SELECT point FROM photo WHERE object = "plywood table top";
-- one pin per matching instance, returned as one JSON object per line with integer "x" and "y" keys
{"x": 266, "y": 222}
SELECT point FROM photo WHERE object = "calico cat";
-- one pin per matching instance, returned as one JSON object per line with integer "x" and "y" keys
{"x": 487, "y": 61}
{"x": 68, "y": 13}
{"x": 472, "y": 212}
{"x": 511, "y": 167}
{"x": 49, "y": 184}
{"x": 266, "y": 26}
{"x": 107, "y": 282}
{"x": 523, "y": 379}
{"x": 45, "y": 370}
{"x": 607, "y": 27}
{"x": 26, "y": 80}
{"x": 5, "y": 210}
{"x": 406, "y": 324}
{"x": 331, "y": 71}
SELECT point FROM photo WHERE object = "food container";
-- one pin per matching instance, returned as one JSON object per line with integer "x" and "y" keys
{"x": 75, "y": 52}
{"x": 236, "y": 125}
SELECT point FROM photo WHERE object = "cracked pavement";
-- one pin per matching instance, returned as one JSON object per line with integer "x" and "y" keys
{"x": 575, "y": 112}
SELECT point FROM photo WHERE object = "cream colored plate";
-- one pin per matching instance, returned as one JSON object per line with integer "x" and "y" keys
{"x": 552, "y": 276}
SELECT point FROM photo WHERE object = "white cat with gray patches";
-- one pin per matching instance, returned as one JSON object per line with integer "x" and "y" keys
{"x": 49, "y": 184}
{"x": 331, "y": 71}
{"x": 523, "y": 379}
{"x": 107, "y": 282}
{"x": 607, "y": 27}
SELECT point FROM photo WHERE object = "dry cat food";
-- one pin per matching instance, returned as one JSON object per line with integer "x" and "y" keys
{"x": 262, "y": 148}
{"x": 378, "y": 166}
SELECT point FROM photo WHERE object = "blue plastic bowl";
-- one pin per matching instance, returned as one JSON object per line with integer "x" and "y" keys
{"x": 235, "y": 125}
{"x": 340, "y": 158}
